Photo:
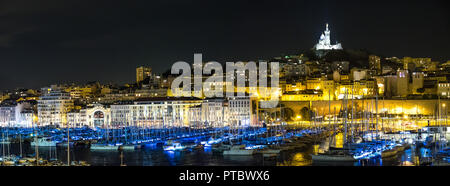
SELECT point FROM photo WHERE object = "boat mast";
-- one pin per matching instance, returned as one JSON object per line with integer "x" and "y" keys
{"x": 68, "y": 144}
{"x": 20, "y": 143}
{"x": 329, "y": 110}
{"x": 351, "y": 121}
{"x": 3, "y": 144}
{"x": 36, "y": 144}
{"x": 345, "y": 115}
{"x": 376, "y": 113}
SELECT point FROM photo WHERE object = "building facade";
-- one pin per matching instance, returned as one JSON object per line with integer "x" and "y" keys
{"x": 142, "y": 73}
{"x": 53, "y": 107}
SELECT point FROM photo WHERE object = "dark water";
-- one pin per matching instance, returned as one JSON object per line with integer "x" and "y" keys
{"x": 158, "y": 157}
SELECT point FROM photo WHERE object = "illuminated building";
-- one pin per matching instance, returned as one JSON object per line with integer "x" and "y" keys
{"x": 153, "y": 112}
{"x": 304, "y": 70}
{"x": 117, "y": 96}
{"x": 347, "y": 90}
{"x": 375, "y": 63}
{"x": 15, "y": 114}
{"x": 53, "y": 107}
{"x": 380, "y": 82}
{"x": 75, "y": 118}
{"x": 366, "y": 87}
{"x": 77, "y": 92}
{"x": 336, "y": 76}
{"x": 314, "y": 83}
{"x": 328, "y": 88}
{"x": 325, "y": 42}
{"x": 8, "y": 113}
{"x": 236, "y": 112}
{"x": 211, "y": 112}
{"x": 294, "y": 87}
{"x": 417, "y": 83}
{"x": 358, "y": 74}
{"x": 25, "y": 119}
{"x": 397, "y": 85}
{"x": 105, "y": 90}
{"x": 4, "y": 97}
{"x": 443, "y": 90}
{"x": 150, "y": 93}
{"x": 341, "y": 66}
{"x": 357, "y": 89}
{"x": 240, "y": 112}
{"x": 424, "y": 64}
{"x": 142, "y": 73}
{"x": 304, "y": 95}
{"x": 386, "y": 70}
{"x": 345, "y": 77}
{"x": 94, "y": 115}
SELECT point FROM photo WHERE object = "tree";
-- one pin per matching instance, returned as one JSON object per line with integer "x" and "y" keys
{"x": 288, "y": 113}
{"x": 420, "y": 90}
{"x": 305, "y": 113}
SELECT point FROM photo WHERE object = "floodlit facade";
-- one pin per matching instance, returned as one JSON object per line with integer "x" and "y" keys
{"x": 443, "y": 89}
{"x": 94, "y": 115}
{"x": 153, "y": 112}
{"x": 325, "y": 42}
{"x": 53, "y": 107}
{"x": 142, "y": 73}
{"x": 159, "y": 113}
{"x": 241, "y": 112}
{"x": 375, "y": 63}
{"x": 211, "y": 113}
{"x": 14, "y": 114}
{"x": 397, "y": 85}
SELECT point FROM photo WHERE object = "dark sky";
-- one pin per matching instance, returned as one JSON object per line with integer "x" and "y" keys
{"x": 45, "y": 42}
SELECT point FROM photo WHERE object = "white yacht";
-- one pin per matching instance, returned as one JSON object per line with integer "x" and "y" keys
{"x": 239, "y": 150}
{"x": 44, "y": 142}
{"x": 97, "y": 146}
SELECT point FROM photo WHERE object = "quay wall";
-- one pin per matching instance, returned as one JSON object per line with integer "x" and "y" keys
{"x": 424, "y": 107}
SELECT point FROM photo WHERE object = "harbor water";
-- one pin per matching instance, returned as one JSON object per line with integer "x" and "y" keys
{"x": 205, "y": 157}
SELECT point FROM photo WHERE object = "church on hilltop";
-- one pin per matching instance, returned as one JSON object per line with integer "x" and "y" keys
{"x": 325, "y": 42}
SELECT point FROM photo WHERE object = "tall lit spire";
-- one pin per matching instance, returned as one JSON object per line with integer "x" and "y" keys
{"x": 325, "y": 41}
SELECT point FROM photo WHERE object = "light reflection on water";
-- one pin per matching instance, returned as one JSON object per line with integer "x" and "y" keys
{"x": 158, "y": 157}
{"x": 298, "y": 159}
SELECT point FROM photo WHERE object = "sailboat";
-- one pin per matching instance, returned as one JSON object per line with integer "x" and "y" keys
{"x": 173, "y": 146}
{"x": 238, "y": 150}
{"x": 45, "y": 141}
{"x": 333, "y": 157}
{"x": 106, "y": 145}
{"x": 337, "y": 154}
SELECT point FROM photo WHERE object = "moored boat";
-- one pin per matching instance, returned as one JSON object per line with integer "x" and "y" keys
{"x": 270, "y": 156}
{"x": 239, "y": 150}
{"x": 44, "y": 142}
{"x": 97, "y": 146}
{"x": 171, "y": 146}
{"x": 388, "y": 153}
{"x": 270, "y": 150}
{"x": 332, "y": 157}
{"x": 126, "y": 147}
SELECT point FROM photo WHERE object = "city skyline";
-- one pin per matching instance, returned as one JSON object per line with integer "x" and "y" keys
{"x": 95, "y": 43}
{"x": 235, "y": 83}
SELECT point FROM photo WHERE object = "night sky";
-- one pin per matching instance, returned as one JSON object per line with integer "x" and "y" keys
{"x": 46, "y": 42}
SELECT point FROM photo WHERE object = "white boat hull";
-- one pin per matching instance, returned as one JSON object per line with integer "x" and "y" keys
{"x": 271, "y": 151}
{"x": 332, "y": 158}
{"x": 104, "y": 147}
{"x": 127, "y": 147}
{"x": 239, "y": 152}
{"x": 49, "y": 144}
{"x": 388, "y": 153}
